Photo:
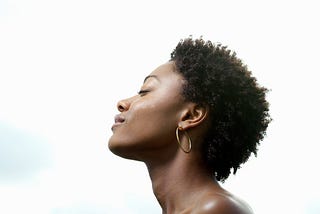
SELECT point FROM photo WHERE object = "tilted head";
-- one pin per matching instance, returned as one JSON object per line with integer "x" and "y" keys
{"x": 206, "y": 90}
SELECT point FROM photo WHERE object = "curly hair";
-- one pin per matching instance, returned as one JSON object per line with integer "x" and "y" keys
{"x": 238, "y": 110}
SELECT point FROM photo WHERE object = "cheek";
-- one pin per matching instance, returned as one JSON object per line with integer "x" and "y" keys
{"x": 157, "y": 122}
{"x": 144, "y": 126}
{"x": 157, "y": 115}
{"x": 151, "y": 120}
{"x": 148, "y": 126}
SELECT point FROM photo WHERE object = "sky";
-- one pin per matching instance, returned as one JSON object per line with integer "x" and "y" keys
{"x": 65, "y": 64}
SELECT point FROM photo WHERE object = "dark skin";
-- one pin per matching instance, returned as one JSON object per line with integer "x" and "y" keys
{"x": 145, "y": 130}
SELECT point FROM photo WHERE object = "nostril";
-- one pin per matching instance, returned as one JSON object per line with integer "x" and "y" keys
{"x": 121, "y": 106}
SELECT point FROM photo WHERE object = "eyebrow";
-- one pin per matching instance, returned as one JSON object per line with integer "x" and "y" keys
{"x": 149, "y": 76}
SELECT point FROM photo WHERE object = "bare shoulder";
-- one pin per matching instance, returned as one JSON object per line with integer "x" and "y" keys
{"x": 222, "y": 204}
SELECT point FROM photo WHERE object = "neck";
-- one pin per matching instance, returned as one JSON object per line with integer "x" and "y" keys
{"x": 173, "y": 180}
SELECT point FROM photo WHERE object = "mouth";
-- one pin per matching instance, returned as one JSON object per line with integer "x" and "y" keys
{"x": 118, "y": 120}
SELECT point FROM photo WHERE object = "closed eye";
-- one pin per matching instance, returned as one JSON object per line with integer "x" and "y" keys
{"x": 142, "y": 92}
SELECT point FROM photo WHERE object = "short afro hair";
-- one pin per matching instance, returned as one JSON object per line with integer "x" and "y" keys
{"x": 238, "y": 110}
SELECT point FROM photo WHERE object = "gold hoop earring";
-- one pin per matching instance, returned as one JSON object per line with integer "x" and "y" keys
{"x": 189, "y": 141}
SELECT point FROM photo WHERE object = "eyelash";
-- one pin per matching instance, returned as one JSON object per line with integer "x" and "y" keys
{"x": 142, "y": 92}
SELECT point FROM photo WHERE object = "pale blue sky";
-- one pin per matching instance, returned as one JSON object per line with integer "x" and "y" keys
{"x": 22, "y": 155}
{"x": 64, "y": 64}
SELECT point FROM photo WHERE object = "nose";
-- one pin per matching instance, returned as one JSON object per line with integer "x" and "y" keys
{"x": 123, "y": 105}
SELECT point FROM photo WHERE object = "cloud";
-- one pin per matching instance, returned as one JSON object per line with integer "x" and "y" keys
{"x": 312, "y": 206}
{"x": 3, "y": 7}
{"x": 89, "y": 208}
{"x": 83, "y": 208}
{"x": 22, "y": 155}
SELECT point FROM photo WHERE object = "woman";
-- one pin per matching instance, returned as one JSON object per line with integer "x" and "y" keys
{"x": 195, "y": 118}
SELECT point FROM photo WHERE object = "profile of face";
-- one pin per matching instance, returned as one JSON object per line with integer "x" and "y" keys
{"x": 147, "y": 121}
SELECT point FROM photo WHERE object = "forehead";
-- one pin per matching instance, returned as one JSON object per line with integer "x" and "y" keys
{"x": 167, "y": 82}
{"x": 166, "y": 70}
{"x": 167, "y": 78}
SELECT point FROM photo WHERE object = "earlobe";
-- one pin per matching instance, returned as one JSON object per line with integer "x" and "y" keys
{"x": 193, "y": 115}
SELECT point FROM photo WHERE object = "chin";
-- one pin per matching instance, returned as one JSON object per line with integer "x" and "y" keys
{"x": 114, "y": 147}
{"x": 120, "y": 149}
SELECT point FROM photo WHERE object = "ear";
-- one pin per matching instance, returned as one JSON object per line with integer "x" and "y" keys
{"x": 193, "y": 115}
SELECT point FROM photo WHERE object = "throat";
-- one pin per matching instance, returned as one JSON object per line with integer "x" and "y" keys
{"x": 178, "y": 182}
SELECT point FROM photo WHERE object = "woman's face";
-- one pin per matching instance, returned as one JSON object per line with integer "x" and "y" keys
{"x": 147, "y": 121}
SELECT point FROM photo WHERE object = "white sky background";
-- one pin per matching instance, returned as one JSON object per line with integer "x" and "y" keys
{"x": 64, "y": 64}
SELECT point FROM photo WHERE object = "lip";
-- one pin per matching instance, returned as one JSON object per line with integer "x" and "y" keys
{"x": 118, "y": 120}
